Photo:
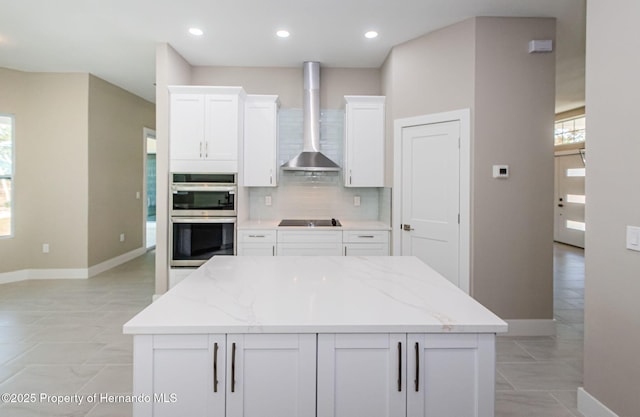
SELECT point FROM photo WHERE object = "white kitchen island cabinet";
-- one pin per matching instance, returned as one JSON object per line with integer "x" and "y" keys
{"x": 389, "y": 336}
{"x": 243, "y": 375}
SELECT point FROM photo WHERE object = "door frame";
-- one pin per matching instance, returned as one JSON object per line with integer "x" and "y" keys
{"x": 463, "y": 116}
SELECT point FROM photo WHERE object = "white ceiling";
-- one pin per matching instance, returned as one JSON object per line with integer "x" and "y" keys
{"x": 115, "y": 39}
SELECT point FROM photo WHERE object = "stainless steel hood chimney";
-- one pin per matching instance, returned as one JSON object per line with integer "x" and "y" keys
{"x": 311, "y": 159}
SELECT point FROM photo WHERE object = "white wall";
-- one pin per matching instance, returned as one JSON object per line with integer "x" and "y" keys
{"x": 612, "y": 310}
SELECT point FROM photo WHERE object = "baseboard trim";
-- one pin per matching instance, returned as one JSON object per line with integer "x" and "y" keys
{"x": 113, "y": 262}
{"x": 69, "y": 273}
{"x": 532, "y": 327}
{"x": 591, "y": 407}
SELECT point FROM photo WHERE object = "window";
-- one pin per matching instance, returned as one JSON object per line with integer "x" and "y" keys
{"x": 6, "y": 175}
{"x": 570, "y": 131}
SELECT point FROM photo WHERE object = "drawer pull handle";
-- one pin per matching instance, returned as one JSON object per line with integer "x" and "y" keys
{"x": 399, "y": 366}
{"x": 366, "y": 236}
{"x": 417, "y": 381}
{"x": 233, "y": 367}
{"x": 215, "y": 367}
{"x": 257, "y": 236}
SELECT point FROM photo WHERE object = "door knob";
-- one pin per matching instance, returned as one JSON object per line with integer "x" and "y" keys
{"x": 560, "y": 205}
{"x": 407, "y": 227}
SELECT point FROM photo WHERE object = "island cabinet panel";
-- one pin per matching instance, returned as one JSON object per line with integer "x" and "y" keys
{"x": 234, "y": 375}
{"x": 417, "y": 375}
{"x": 361, "y": 375}
{"x": 177, "y": 373}
{"x": 271, "y": 375}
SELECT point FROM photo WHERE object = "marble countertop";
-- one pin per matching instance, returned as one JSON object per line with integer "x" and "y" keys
{"x": 314, "y": 294}
{"x": 346, "y": 225}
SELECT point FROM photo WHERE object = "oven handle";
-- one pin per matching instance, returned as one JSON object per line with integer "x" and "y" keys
{"x": 231, "y": 189}
{"x": 203, "y": 219}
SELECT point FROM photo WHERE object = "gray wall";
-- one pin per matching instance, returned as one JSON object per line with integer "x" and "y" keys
{"x": 483, "y": 64}
{"x": 612, "y": 310}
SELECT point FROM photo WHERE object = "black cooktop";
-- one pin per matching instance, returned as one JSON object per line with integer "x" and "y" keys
{"x": 310, "y": 223}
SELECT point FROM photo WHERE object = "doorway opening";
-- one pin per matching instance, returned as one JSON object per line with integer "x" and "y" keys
{"x": 570, "y": 173}
{"x": 149, "y": 211}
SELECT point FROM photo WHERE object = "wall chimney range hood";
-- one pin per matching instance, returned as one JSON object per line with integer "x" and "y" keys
{"x": 311, "y": 159}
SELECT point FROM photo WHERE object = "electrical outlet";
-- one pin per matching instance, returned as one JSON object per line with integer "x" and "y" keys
{"x": 45, "y": 248}
{"x": 356, "y": 201}
{"x": 121, "y": 237}
{"x": 137, "y": 195}
{"x": 267, "y": 200}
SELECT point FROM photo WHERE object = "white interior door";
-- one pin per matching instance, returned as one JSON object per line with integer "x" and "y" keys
{"x": 570, "y": 200}
{"x": 431, "y": 195}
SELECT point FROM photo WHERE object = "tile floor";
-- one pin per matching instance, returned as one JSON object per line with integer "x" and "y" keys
{"x": 539, "y": 376}
{"x": 64, "y": 337}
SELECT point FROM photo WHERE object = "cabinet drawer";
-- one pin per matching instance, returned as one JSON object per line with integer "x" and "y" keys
{"x": 257, "y": 236}
{"x": 365, "y": 236}
{"x": 309, "y": 249}
{"x": 315, "y": 236}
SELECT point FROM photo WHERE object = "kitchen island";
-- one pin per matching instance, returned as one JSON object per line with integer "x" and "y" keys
{"x": 314, "y": 336}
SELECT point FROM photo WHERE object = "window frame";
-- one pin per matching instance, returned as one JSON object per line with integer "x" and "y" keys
{"x": 11, "y": 176}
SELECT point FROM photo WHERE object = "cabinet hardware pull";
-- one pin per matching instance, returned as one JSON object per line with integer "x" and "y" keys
{"x": 367, "y": 236}
{"x": 215, "y": 367}
{"x": 399, "y": 366}
{"x": 200, "y": 149}
{"x": 233, "y": 367}
{"x": 273, "y": 250}
{"x": 257, "y": 236}
{"x": 206, "y": 149}
{"x": 417, "y": 381}
{"x": 345, "y": 251}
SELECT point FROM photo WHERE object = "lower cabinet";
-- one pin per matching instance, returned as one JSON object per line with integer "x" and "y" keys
{"x": 257, "y": 242}
{"x": 384, "y": 375}
{"x": 307, "y": 375}
{"x": 234, "y": 375}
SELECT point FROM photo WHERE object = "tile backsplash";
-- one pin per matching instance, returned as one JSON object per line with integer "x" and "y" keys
{"x": 315, "y": 195}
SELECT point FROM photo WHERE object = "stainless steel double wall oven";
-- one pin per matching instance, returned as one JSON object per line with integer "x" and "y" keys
{"x": 203, "y": 217}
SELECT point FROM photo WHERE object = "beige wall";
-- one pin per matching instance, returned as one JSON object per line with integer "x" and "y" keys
{"x": 57, "y": 155}
{"x": 335, "y": 83}
{"x": 612, "y": 310}
{"x": 51, "y": 164}
{"x": 482, "y": 64}
{"x": 116, "y": 169}
{"x": 513, "y": 219}
{"x": 171, "y": 69}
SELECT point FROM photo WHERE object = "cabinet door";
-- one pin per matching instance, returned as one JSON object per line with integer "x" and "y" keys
{"x": 256, "y": 249}
{"x": 450, "y": 375}
{"x": 361, "y": 375}
{"x": 271, "y": 375}
{"x": 309, "y": 249}
{"x": 364, "y": 141}
{"x": 186, "y": 126}
{"x": 221, "y": 127}
{"x": 260, "y": 141}
{"x": 366, "y": 249}
{"x": 183, "y": 374}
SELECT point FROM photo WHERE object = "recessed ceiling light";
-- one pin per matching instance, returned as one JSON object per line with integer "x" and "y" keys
{"x": 196, "y": 31}
{"x": 371, "y": 34}
{"x": 283, "y": 33}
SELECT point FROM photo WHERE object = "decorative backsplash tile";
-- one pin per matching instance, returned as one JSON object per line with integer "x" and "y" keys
{"x": 313, "y": 195}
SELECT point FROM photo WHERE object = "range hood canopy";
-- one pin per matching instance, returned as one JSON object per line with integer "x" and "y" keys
{"x": 311, "y": 159}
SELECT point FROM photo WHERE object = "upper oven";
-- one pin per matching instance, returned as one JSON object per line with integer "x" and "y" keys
{"x": 207, "y": 195}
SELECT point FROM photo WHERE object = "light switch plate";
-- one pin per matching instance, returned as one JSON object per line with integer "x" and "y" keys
{"x": 267, "y": 200}
{"x": 356, "y": 200}
{"x": 633, "y": 238}
{"x": 501, "y": 171}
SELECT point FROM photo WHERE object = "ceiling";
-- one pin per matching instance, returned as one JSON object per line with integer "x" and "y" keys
{"x": 115, "y": 39}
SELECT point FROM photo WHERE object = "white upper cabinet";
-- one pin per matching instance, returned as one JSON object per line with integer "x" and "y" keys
{"x": 364, "y": 141}
{"x": 260, "y": 141}
{"x": 205, "y": 127}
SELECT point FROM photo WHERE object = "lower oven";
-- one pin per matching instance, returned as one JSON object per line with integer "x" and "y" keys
{"x": 194, "y": 240}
